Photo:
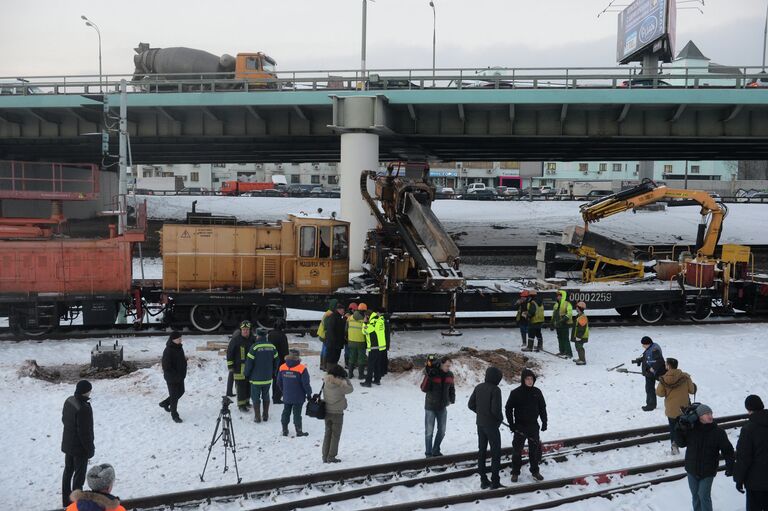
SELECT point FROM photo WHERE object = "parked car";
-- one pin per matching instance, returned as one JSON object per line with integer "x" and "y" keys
{"x": 483, "y": 194}
{"x": 18, "y": 87}
{"x": 761, "y": 81}
{"x": 475, "y": 186}
{"x": 299, "y": 190}
{"x": 319, "y": 191}
{"x": 445, "y": 192}
{"x": 546, "y": 190}
{"x": 759, "y": 197}
{"x": 508, "y": 192}
{"x": 277, "y": 192}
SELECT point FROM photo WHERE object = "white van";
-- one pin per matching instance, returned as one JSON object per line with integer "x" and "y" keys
{"x": 475, "y": 186}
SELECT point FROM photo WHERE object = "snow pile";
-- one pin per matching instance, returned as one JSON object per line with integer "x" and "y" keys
{"x": 153, "y": 455}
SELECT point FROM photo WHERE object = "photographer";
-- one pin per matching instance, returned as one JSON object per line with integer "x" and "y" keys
{"x": 440, "y": 392}
{"x": 652, "y": 363}
{"x": 705, "y": 441}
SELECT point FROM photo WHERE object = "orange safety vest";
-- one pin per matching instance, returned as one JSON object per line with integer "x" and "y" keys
{"x": 73, "y": 507}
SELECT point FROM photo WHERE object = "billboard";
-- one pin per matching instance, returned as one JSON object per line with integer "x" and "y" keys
{"x": 646, "y": 26}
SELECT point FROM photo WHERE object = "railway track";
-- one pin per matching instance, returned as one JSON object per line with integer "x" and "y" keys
{"x": 360, "y": 482}
{"x": 413, "y": 322}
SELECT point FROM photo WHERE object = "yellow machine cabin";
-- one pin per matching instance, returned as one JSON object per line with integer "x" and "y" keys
{"x": 301, "y": 254}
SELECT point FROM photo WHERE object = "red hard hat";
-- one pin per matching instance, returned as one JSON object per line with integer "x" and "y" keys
{"x": 524, "y": 293}
{"x": 353, "y": 306}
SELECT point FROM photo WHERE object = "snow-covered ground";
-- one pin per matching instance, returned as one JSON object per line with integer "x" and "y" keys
{"x": 153, "y": 455}
{"x": 497, "y": 223}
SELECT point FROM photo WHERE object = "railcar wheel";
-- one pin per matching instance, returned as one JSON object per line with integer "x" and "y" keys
{"x": 23, "y": 328}
{"x": 651, "y": 312}
{"x": 270, "y": 315}
{"x": 703, "y": 312}
{"x": 626, "y": 312}
{"x": 206, "y": 318}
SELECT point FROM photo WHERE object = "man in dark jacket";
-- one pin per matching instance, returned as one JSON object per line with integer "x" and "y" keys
{"x": 524, "y": 407}
{"x": 335, "y": 334}
{"x": 485, "y": 401}
{"x": 260, "y": 368}
{"x": 237, "y": 351}
{"x": 653, "y": 367}
{"x": 174, "y": 371}
{"x": 279, "y": 340}
{"x": 440, "y": 392}
{"x": 705, "y": 442}
{"x": 77, "y": 439}
{"x": 751, "y": 469}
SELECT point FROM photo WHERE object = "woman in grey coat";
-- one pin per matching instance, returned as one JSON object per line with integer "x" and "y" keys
{"x": 336, "y": 387}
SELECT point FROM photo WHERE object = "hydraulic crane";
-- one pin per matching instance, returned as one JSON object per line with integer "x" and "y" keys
{"x": 597, "y": 266}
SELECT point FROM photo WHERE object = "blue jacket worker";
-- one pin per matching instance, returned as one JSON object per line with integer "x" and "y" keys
{"x": 653, "y": 367}
{"x": 293, "y": 380}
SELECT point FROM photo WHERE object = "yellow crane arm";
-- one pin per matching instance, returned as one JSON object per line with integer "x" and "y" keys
{"x": 649, "y": 192}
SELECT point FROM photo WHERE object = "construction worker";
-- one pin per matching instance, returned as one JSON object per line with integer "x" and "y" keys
{"x": 535, "y": 321}
{"x": 562, "y": 321}
{"x": 580, "y": 333}
{"x": 522, "y": 316}
{"x": 321, "y": 328}
{"x": 260, "y": 368}
{"x": 351, "y": 308}
{"x": 375, "y": 343}
{"x": 356, "y": 339}
{"x": 238, "y": 348}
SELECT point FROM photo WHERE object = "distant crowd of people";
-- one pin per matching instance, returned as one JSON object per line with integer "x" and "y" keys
{"x": 261, "y": 366}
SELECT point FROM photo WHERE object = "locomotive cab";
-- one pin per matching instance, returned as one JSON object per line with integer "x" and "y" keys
{"x": 322, "y": 254}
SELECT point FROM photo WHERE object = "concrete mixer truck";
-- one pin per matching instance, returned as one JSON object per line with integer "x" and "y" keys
{"x": 154, "y": 66}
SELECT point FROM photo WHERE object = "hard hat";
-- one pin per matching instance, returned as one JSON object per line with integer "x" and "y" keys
{"x": 352, "y": 306}
{"x": 245, "y": 324}
{"x": 581, "y": 305}
{"x": 524, "y": 293}
{"x": 362, "y": 307}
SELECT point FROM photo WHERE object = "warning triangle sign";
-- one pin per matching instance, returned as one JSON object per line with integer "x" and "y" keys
{"x": 185, "y": 234}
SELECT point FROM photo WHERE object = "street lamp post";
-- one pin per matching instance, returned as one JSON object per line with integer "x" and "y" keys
{"x": 90, "y": 23}
{"x": 434, "y": 38}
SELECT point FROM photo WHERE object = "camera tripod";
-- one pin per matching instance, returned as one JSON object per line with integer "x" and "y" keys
{"x": 227, "y": 434}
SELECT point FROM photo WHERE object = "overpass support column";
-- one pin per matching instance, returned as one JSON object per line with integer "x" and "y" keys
{"x": 360, "y": 120}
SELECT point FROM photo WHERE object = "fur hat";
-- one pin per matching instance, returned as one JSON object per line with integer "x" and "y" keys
{"x": 101, "y": 477}
{"x": 753, "y": 403}
{"x": 83, "y": 387}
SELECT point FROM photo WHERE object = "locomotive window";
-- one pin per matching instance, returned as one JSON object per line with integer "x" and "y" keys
{"x": 325, "y": 242}
{"x": 307, "y": 242}
{"x": 340, "y": 242}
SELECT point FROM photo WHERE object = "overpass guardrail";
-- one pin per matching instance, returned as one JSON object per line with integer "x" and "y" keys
{"x": 397, "y": 79}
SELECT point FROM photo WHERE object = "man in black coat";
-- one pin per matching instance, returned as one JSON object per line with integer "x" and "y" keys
{"x": 485, "y": 401}
{"x": 335, "y": 334}
{"x": 705, "y": 441}
{"x": 77, "y": 439}
{"x": 653, "y": 367}
{"x": 279, "y": 340}
{"x": 440, "y": 393}
{"x": 239, "y": 345}
{"x": 524, "y": 407}
{"x": 751, "y": 469}
{"x": 174, "y": 371}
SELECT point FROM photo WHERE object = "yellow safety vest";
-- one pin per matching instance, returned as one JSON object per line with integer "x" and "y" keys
{"x": 375, "y": 333}
{"x": 538, "y": 316}
{"x": 581, "y": 329}
{"x": 355, "y": 330}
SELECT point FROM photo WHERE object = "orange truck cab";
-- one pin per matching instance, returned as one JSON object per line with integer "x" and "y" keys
{"x": 258, "y": 68}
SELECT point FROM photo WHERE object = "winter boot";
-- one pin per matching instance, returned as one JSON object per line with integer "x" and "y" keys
{"x": 333, "y": 459}
{"x": 165, "y": 405}
{"x": 582, "y": 360}
{"x": 176, "y": 418}
{"x": 242, "y": 408}
{"x": 484, "y": 483}
{"x": 515, "y": 477}
{"x": 537, "y": 476}
{"x": 529, "y": 346}
{"x": 539, "y": 346}
{"x": 352, "y": 372}
{"x": 496, "y": 485}
{"x": 285, "y": 429}
{"x": 647, "y": 408}
{"x": 265, "y": 412}
{"x": 322, "y": 362}
{"x": 256, "y": 414}
{"x": 299, "y": 432}
{"x": 675, "y": 449}
{"x": 362, "y": 374}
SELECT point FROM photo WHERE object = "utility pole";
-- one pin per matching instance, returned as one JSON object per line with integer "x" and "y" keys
{"x": 93, "y": 25}
{"x": 686, "y": 175}
{"x": 362, "y": 60}
{"x": 122, "y": 182}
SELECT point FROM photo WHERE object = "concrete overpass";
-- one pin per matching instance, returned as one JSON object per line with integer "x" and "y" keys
{"x": 573, "y": 115}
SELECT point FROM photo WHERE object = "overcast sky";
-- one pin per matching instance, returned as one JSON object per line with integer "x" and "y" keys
{"x": 47, "y": 37}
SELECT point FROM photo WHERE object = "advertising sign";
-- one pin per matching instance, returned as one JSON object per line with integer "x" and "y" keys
{"x": 641, "y": 25}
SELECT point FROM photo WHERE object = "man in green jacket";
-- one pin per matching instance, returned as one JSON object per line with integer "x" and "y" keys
{"x": 562, "y": 320}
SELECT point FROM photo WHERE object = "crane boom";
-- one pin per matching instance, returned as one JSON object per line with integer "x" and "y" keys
{"x": 649, "y": 192}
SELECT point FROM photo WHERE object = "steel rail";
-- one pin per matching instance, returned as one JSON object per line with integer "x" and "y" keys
{"x": 394, "y": 468}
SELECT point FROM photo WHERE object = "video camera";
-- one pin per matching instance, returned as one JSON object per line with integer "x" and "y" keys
{"x": 225, "y": 402}
{"x": 638, "y": 361}
{"x": 431, "y": 364}
{"x": 689, "y": 417}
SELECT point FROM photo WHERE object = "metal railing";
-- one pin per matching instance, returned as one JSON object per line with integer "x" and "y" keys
{"x": 397, "y": 79}
{"x": 49, "y": 181}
